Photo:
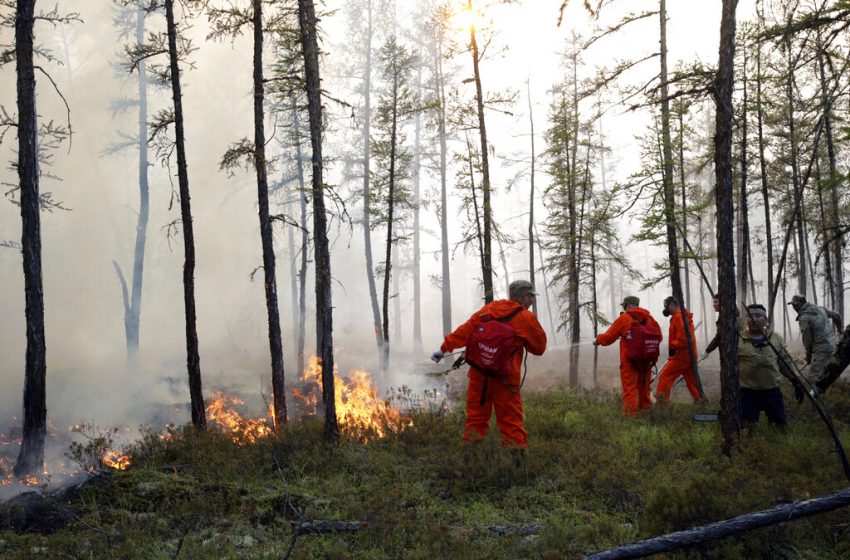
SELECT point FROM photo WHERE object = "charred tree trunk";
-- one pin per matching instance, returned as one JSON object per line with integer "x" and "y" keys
{"x": 133, "y": 316}
{"x": 487, "y": 211}
{"x": 730, "y": 415}
{"x": 193, "y": 359}
{"x": 367, "y": 187}
{"x": 31, "y": 456}
{"x": 670, "y": 197}
{"x": 324, "y": 309}
{"x": 266, "y": 232}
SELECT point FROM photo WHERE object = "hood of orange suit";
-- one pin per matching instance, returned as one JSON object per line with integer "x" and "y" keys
{"x": 500, "y": 308}
{"x": 639, "y": 313}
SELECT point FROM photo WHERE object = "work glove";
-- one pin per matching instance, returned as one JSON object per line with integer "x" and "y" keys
{"x": 437, "y": 355}
{"x": 702, "y": 356}
{"x": 799, "y": 392}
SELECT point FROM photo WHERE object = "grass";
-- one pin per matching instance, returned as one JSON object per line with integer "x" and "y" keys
{"x": 592, "y": 478}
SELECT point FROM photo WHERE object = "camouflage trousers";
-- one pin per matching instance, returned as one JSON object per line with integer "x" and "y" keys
{"x": 836, "y": 364}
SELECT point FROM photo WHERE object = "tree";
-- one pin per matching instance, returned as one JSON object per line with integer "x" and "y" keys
{"x": 391, "y": 198}
{"x": 324, "y": 311}
{"x": 231, "y": 21}
{"x": 133, "y": 297}
{"x": 730, "y": 415}
{"x": 177, "y": 47}
{"x": 34, "y": 142}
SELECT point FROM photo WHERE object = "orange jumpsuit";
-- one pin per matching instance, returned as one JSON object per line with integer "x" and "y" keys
{"x": 635, "y": 383}
{"x": 501, "y": 394}
{"x": 679, "y": 364}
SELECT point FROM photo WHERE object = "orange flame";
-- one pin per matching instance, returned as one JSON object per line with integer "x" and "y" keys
{"x": 222, "y": 410}
{"x": 358, "y": 407}
{"x": 116, "y": 460}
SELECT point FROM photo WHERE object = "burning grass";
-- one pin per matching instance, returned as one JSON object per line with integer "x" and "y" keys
{"x": 591, "y": 478}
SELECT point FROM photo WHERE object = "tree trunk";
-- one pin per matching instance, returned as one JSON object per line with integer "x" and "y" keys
{"x": 833, "y": 235}
{"x": 531, "y": 270}
{"x": 132, "y": 321}
{"x": 486, "y": 257}
{"x": 417, "y": 257}
{"x": 743, "y": 207}
{"x": 730, "y": 415}
{"x": 266, "y": 232}
{"x": 193, "y": 359}
{"x": 385, "y": 358}
{"x": 684, "y": 187}
{"x": 367, "y": 188}
{"x": 669, "y": 196}
{"x": 771, "y": 289}
{"x": 445, "y": 284}
{"x": 324, "y": 306}
{"x": 302, "y": 271}
{"x": 31, "y": 455}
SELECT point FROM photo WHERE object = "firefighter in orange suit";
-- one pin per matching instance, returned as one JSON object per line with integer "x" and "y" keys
{"x": 635, "y": 381}
{"x": 484, "y": 394}
{"x": 679, "y": 363}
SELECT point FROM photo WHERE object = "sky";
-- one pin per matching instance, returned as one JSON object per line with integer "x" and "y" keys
{"x": 84, "y": 313}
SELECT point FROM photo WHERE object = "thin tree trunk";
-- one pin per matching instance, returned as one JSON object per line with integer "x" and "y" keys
{"x": 768, "y": 234}
{"x": 31, "y": 455}
{"x": 367, "y": 188}
{"x": 193, "y": 359}
{"x": 487, "y": 262}
{"x": 531, "y": 269}
{"x": 302, "y": 271}
{"x": 834, "y": 235}
{"x": 549, "y": 307}
{"x": 669, "y": 196}
{"x": 417, "y": 257}
{"x": 795, "y": 173}
{"x": 324, "y": 305}
{"x": 744, "y": 247}
{"x": 385, "y": 363}
{"x": 134, "y": 316}
{"x": 478, "y": 234}
{"x": 730, "y": 416}
{"x": 684, "y": 187}
{"x": 266, "y": 232}
{"x": 445, "y": 284}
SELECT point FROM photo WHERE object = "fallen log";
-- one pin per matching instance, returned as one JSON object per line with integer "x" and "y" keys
{"x": 728, "y": 527}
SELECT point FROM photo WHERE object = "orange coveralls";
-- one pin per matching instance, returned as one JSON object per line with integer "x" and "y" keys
{"x": 679, "y": 364}
{"x": 501, "y": 394}
{"x": 635, "y": 383}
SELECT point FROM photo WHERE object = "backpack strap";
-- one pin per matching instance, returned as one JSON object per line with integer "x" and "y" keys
{"x": 511, "y": 315}
{"x": 639, "y": 321}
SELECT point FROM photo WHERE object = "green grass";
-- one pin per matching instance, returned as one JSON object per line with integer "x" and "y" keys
{"x": 592, "y": 478}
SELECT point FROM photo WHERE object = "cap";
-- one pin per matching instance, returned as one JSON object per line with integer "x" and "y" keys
{"x": 797, "y": 300}
{"x": 520, "y": 287}
{"x": 630, "y": 300}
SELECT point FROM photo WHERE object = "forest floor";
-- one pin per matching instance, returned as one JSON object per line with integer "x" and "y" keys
{"x": 591, "y": 479}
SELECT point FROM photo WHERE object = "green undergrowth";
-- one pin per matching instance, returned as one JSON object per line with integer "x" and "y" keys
{"x": 591, "y": 478}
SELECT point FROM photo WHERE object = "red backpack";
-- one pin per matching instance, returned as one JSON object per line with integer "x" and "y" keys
{"x": 643, "y": 342}
{"x": 491, "y": 345}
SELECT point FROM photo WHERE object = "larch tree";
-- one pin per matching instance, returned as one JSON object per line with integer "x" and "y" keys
{"x": 307, "y": 24}
{"x": 176, "y": 46}
{"x": 231, "y": 21}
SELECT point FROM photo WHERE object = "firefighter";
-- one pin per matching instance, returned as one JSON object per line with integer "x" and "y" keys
{"x": 486, "y": 393}
{"x": 839, "y": 360}
{"x": 634, "y": 376}
{"x": 679, "y": 363}
{"x": 762, "y": 358}
{"x": 715, "y": 342}
{"x": 816, "y": 330}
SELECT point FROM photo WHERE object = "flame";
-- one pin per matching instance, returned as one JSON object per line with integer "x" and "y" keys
{"x": 116, "y": 460}
{"x": 358, "y": 407}
{"x": 222, "y": 410}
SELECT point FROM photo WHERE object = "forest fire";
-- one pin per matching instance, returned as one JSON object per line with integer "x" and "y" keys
{"x": 358, "y": 407}
{"x": 221, "y": 409}
{"x": 116, "y": 460}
